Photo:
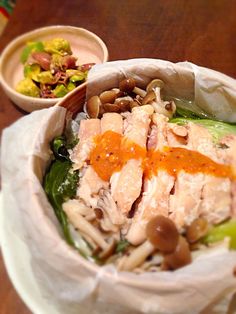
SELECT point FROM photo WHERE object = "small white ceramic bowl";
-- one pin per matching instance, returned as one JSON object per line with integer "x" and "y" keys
{"x": 85, "y": 45}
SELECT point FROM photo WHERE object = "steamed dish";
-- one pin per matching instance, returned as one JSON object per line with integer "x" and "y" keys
{"x": 144, "y": 181}
{"x": 50, "y": 69}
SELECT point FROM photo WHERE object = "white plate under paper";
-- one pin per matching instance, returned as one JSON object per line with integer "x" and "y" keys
{"x": 17, "y": 260}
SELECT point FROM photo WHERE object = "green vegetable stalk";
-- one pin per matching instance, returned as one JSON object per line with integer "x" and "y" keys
{"x": 221, "y": 231}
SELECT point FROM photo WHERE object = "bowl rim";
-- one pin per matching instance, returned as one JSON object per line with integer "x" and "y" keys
{"x": 21, "y": 38}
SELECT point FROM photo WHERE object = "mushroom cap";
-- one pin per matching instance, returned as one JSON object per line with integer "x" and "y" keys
{"x": 162, "y": 233}
{"x": 108, "y": 96}
{"x": 111, "y": 107}
{"x": 92, "y": 106}
{"x": 127, "y": 85}
{"x": 198, "y": 229}
{"x": 180, "y": 257}
{"x": 154, "y": 84}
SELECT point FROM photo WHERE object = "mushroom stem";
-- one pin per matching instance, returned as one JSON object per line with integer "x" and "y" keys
{"x": 137, "y": 256}
{"x": 139, "y": 91}
{"x": 79, "y": 222}
{"x": 157, "y": 91}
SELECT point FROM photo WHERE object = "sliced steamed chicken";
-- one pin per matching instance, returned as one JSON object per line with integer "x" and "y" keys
{"x": 126, "y": 184}
{"x": 155, "y": 197}
{"x": 186, "y": 196}
{"x": 90, "y": 183}
{"x": 227, "y": 153}
{"x": 88, "y": 129}
{"x": 200, "y": 195}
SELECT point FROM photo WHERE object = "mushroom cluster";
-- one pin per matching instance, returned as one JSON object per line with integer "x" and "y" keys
{"x": 164, "y": 240}
{"x": 127, "y": 96}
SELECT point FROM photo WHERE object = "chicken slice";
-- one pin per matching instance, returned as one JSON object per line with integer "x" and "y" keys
{"x": 227, "y": 153}
{"x": 112, "y": 121}
{"x": 155, "y": 197}
{"x": 158, "y": 135}
{"x": 155, "y": 201}
{"x": 126, "y": 185}
{"x": 200, "y": 194}
{"x": 186, "y": 199}
{"x": 88, "y": 129}
{"x": 233, "y": 203}
{"x": 201, "y": 140}
{"x": 89, "y": 186}
{"x": 216, "y": 199}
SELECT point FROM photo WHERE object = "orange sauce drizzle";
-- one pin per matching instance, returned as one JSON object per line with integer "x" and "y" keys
{"x": 111, "y": 153}
{"x": 113, "y": 150}
{"x": 175, "y": 159}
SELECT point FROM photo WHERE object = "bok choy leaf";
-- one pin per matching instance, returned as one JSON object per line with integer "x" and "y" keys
{"x": 219, "y": 232}
{"x": 60, "y": 184}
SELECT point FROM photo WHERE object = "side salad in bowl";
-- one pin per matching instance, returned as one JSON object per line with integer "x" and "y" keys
{"x": 50, "y": 69}
{"x": 38, "y": 68}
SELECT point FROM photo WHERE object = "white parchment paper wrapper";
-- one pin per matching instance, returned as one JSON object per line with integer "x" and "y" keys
{"x": 64, "y": 277}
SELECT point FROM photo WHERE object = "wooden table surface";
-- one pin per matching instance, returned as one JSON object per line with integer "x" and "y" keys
{"x": 199, "y": 31}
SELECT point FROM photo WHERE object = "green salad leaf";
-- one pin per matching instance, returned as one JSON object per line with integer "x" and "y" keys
{"x": 218, "y": 129}
{"x": 221, "y": 231}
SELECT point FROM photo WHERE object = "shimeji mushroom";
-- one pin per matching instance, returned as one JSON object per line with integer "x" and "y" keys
{"x": 180, "y": 257}
{"x": 80, "y": 223}
{"x": 162, "y": 235}
{"x": 178, "y": 130}
{"x": 108, "y": 96}
{"x": 107, "y": 203}
{"x": 93, "y": 106}
{"x": 128, "y": 85}
{"x": 79, "y": 207}
{"x": 153, "y": 96}
{"x": 112, "y": 217}
{"x": 137, "y": 256}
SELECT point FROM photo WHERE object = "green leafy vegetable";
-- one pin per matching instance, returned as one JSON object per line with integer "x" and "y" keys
{"x": 59, "y": 148}
{"x": 60, "y": 184}
{"x": 218, "y": 129}
{"x": 72, "y": 141}
{"x": 31, "y": 47}
{"x": 189, "y": 109}
{"x": 122, "y": 246}
{"x": 219, "y": 232}
{"x": 185, "y": 113}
